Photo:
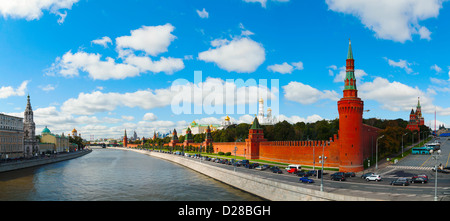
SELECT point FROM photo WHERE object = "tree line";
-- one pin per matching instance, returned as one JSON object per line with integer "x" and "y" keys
{"x": 393, "y": 131}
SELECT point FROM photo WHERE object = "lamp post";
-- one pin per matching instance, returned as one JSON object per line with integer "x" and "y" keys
{"x": 322, "y": 160}
{"x": 376, "y": 154}
{"x": 436, "y": 155}
{"x": 402, "y": 142}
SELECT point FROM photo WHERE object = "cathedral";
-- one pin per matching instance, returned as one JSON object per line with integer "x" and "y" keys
{"x": 415, "y": 118}
{"x": 265, "y": 119}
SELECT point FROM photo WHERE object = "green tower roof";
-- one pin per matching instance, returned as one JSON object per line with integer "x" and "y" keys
{"x": 255, "y": 124}
{"x": 350, "y": 52}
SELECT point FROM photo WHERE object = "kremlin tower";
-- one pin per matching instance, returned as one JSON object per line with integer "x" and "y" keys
{"x": 351, "y": 109}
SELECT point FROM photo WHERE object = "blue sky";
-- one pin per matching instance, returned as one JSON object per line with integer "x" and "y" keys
{"x": 103, "y": 66}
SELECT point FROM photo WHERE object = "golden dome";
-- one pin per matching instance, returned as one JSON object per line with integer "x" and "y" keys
{"x": 74, "y": 130}
{"x": 261, "y": 100}
{"x": 227, "y": 118}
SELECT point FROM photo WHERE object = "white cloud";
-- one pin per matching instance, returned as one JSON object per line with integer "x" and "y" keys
{"x": 285, "y": 68}
{"x": 103, "y": 41}
{"x": 154, "y": 40}
{"x": 305, "y": 94}
{"x": 401, "y": 64}
{"x": 295, "y": 119}
{"x": 167, "y": 65}
{"x": 150, "y": 117}
{"x": 70, "y": 65}
{"x": 9, "y": 91}
{"x": 47, "y": 87}
{"x": 33, "y": 9}
{"x": 213, "y": 90}
{"x": 436, "y": 68}
{"x": 203, "y": 13}
{"x": 392, "y": 20}
{"x": 264, "y": 2}
{"x": 241, "y": 55}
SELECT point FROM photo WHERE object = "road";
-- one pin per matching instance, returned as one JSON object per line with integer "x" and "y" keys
{"x": 407, "y": 167}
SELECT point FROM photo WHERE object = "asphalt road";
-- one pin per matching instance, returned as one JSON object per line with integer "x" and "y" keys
{"x": 407, "y": 167}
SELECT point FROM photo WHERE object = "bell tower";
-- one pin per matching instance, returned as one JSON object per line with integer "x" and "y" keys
{"x": 350, "y": 109}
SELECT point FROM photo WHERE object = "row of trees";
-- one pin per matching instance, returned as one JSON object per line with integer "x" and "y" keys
{"x": 393, "y": 131}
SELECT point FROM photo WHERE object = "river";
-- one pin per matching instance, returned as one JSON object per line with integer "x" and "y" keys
{"x": 115, "y": 175}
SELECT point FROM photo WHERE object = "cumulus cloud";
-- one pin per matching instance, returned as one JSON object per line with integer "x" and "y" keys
{"x": 392, "y": 20}
{"x": 305, "y": 94}
{"x": 154, "y": 40}
{"x": 150, "y": 117}
{"x": 103, "y": 41}
{"x": 33, "y": 9}
{"x": 286, "y": 68}
{"x": 210, "y": 93}
{"x": 403, "y": 64}
{"x": 8, "y": 91}
{"x": 203, "y": 13}
{"x": 241, "y": 55}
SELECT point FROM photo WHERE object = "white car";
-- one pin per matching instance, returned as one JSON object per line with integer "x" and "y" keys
{"x": 373, "y": 177}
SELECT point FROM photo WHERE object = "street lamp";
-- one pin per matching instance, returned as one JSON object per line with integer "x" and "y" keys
{"x": 402, "y": 142}
{"x": 376, "y": 154}
{"x": 322, "y": 160}
{"x": 436, "y": 155}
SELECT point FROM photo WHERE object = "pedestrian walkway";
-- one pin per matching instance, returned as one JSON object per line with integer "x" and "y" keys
{"x": 410, "y": 167}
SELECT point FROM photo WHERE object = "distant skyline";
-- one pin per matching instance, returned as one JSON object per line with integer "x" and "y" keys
{"x": 105, "y": 66}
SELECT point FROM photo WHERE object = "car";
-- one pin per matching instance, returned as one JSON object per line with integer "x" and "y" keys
{"x": 301, "y": 173}
{"x": 262, "y": 167}
{"x": 338, "y": 177}
{"x": 364, "y": 176}
{"x": 311, "y": 173}
{"x": 419, "y": 180}
{"x": 373, "y": 177}
{"x": 306, "y": 180}
{"x": 277, "y": 170}
{"x": 350, "y": 174}
{"x": 292, "y": 170}
{"x": 400, "y": 182}
{"x": 338, "y": 174}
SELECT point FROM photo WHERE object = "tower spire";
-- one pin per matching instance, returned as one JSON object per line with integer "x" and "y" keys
{"x": 350, "y": 52}
{"x": 350, "y": 78}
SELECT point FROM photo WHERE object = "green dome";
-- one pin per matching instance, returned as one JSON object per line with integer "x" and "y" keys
{"x": 45, "y": 130}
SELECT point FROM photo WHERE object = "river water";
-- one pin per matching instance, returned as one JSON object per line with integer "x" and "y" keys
{"x": 115, "y": 175}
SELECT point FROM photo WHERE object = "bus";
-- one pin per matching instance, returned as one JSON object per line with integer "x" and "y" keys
{"x": 433, "y": 146}
{"x": 420, "y": 150}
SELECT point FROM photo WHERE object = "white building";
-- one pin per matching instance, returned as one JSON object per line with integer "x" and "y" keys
{"x": 265, "y": 119}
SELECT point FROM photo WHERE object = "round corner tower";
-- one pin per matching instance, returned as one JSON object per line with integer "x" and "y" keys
{"x": 350, "y": 121}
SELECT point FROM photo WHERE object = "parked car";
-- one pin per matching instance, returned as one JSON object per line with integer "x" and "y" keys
{"x": 277, "y": 170}
{"x": 301, "y": 173}
{"x": 306, "y": 180}
{"x": 337, "y": 177}
{"x": 292, "y": 170}
{"x": 350, "y": 174}
{"x": 311, "y": 173}
{"x": 338, "y": 174}
{"x": 373, "y": 177}
{"x": 419, "y": 180}
{"x": 262, "y": 167}
{"x": 400, "y": 182}
{"x": 364, "y": 176}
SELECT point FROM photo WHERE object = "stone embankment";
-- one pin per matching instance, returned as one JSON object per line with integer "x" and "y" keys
{"x": 267, "y": 188}
{"x": 4, "y": 167}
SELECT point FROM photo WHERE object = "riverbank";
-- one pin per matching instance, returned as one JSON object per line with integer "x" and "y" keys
{"x": 4, "y": 167}
{"x": 267, "y": 188}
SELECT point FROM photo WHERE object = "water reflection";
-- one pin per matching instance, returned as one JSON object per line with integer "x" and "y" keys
{"x": 115, "y": 175}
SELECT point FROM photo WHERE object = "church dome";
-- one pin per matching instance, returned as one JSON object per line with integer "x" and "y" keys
{"x": 74, "y": 130}
{"x": 227, "y": 118}
{"x": 45, "y": 130}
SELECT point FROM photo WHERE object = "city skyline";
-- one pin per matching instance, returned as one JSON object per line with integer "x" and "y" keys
{"x": 103, "y": 68}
